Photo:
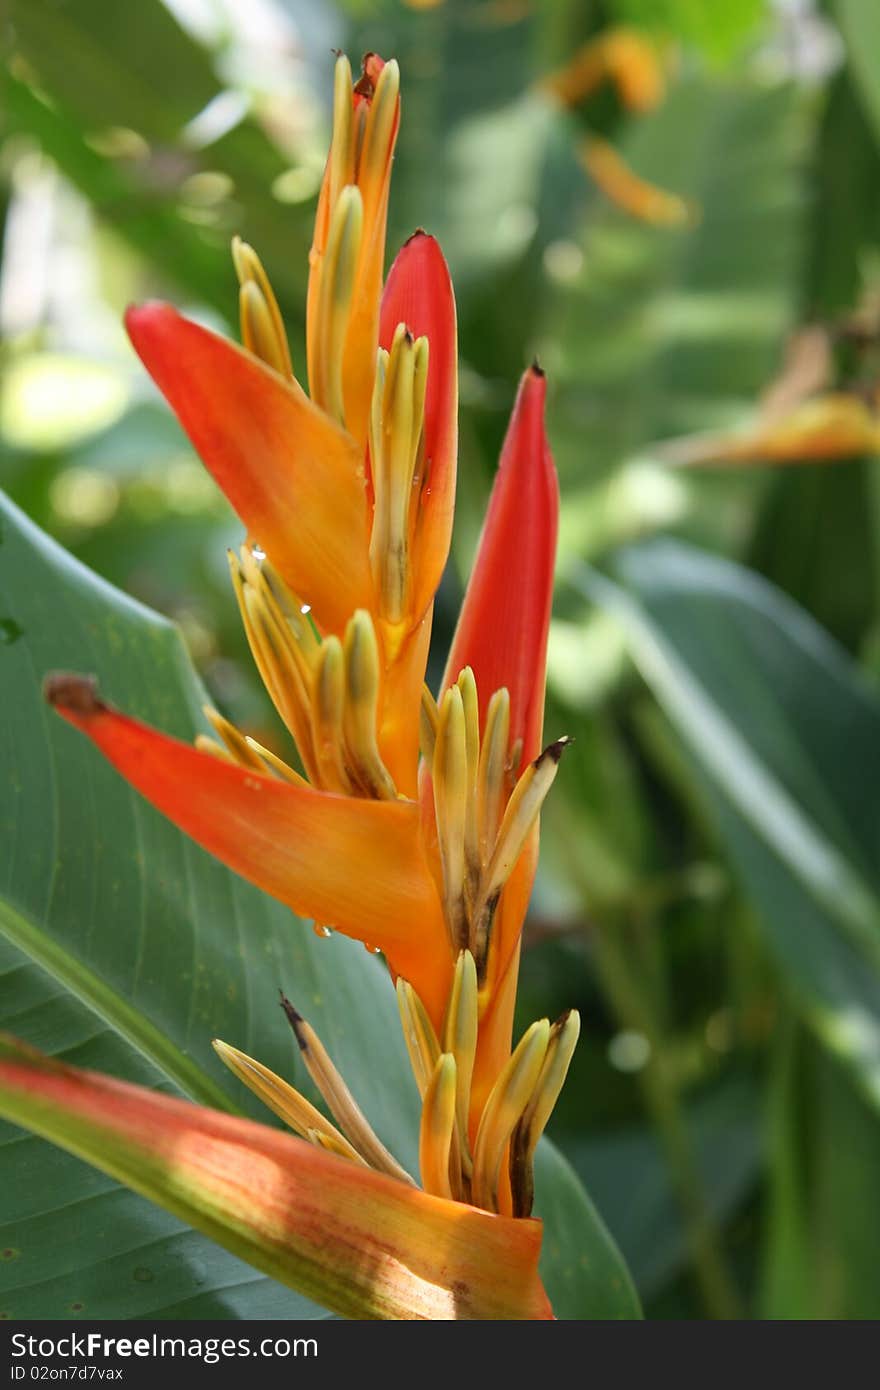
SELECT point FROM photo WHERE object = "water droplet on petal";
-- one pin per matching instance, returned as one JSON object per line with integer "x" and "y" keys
{"x": 258, "y": 552}
{"x": 306, "y": 608}
{"x": 320, "y": 930}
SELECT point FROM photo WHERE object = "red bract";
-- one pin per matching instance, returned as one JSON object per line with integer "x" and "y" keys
{"x": 505, "y": 617}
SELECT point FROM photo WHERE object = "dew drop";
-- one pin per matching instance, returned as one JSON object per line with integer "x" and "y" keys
{"x": 320, "y": 930}
{"x": 371, "y": 949}
{"x": 258, "y": 552}
{"x": 305, "y": 608}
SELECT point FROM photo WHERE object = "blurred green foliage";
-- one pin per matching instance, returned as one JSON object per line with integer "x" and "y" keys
{"x": 725, "y": 1128}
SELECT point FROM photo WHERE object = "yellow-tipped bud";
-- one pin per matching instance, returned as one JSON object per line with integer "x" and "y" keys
{"x": 428, "y": 719}
{"x": 282, "y": 1098}
{"x": 460, "y": 1039}
{"x": 361, "y": 654}
{"x": 277, "y": 765}
{"x": 396, "y": 422}
{"x": 291, "y": 610}
{"x": 560, "y": 1049}
{"x": 521, "y": 812}
{"x": 326, "y": 693}
{"x": 328, "y": 706}
{"x": 335, "y": 1144}
{"x": 257, "y": 330}
{"x": 342, "y": 145}
{"x": 450, "y": 776}
{"x": 235, "y": 742}
{"x": 281, "y": 649}
{"x": 383, "y": 359}
{"x": 520, "y": 815}
{"x": 205, "y": 744}
{"x": 378, "y": 136}
{"x": 418, "y": 1033}
{"x": 242, "y": 749}
{"x": 507, "y": 1100}
{"x": 438, "y": 1128}
{"x": 262, "y": 327}
{"x": 492, "y": 773}
{"x": 342, "y": 1104}
{"x": 347, "y": 256}
{"x": 471, "y": 706}
{"x": 334, "y": 300}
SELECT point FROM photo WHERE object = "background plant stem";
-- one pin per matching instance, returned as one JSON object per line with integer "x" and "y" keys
{"x": 662, "y": 1098}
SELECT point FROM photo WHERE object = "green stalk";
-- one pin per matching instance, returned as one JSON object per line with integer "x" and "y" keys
{"x": 662, "y": 1098}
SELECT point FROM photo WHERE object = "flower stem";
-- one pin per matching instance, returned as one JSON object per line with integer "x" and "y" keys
{"x": 662, "y": 1097}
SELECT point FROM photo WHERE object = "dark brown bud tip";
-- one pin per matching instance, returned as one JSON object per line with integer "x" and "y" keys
{"x": 554, "y": 750}
{"x": 537, "y": 369}
{"x": 365, "y": 85}
{"x": 560, "y": 1022}
{"x": 295, "y": 1020}
{"x": 419, "y": 232}
{"x": 67, "y": 690}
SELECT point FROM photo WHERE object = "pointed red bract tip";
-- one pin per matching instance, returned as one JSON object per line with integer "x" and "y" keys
{"x": 418, "y": 292}
{"x": 505, "y": 617}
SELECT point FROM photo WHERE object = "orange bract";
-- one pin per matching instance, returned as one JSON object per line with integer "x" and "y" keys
{"x": 363, "y": 1244}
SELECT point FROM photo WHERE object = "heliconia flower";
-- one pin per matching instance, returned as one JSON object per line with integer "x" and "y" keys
{"x": 623, "y": 187}
{"x": 409, "y": 823}
{"x": 630, "y": 62}
{"x": 361, "y": 1243}
{"x": 619, "y": 55}
{"x": 833, "y": 426}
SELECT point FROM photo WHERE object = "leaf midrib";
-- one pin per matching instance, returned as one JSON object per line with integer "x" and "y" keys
{"x": 109, "y": 1004}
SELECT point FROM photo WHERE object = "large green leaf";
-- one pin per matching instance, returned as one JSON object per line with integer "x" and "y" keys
{"x": 786, "y": 737}
{"x": 149, "y": 948}
{"x": 76, "y": 1244}
{"x": 859, "y": 22}
{"x": 629, "y": 1177}
{"x": 100, "y": 70}
{"x": 815, "y": 534}
{"x": 820, "y": 1247}
{"x": 845, "y": 226}
{"x": 657, "y": 331}
{"x": 816, "y": 537}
